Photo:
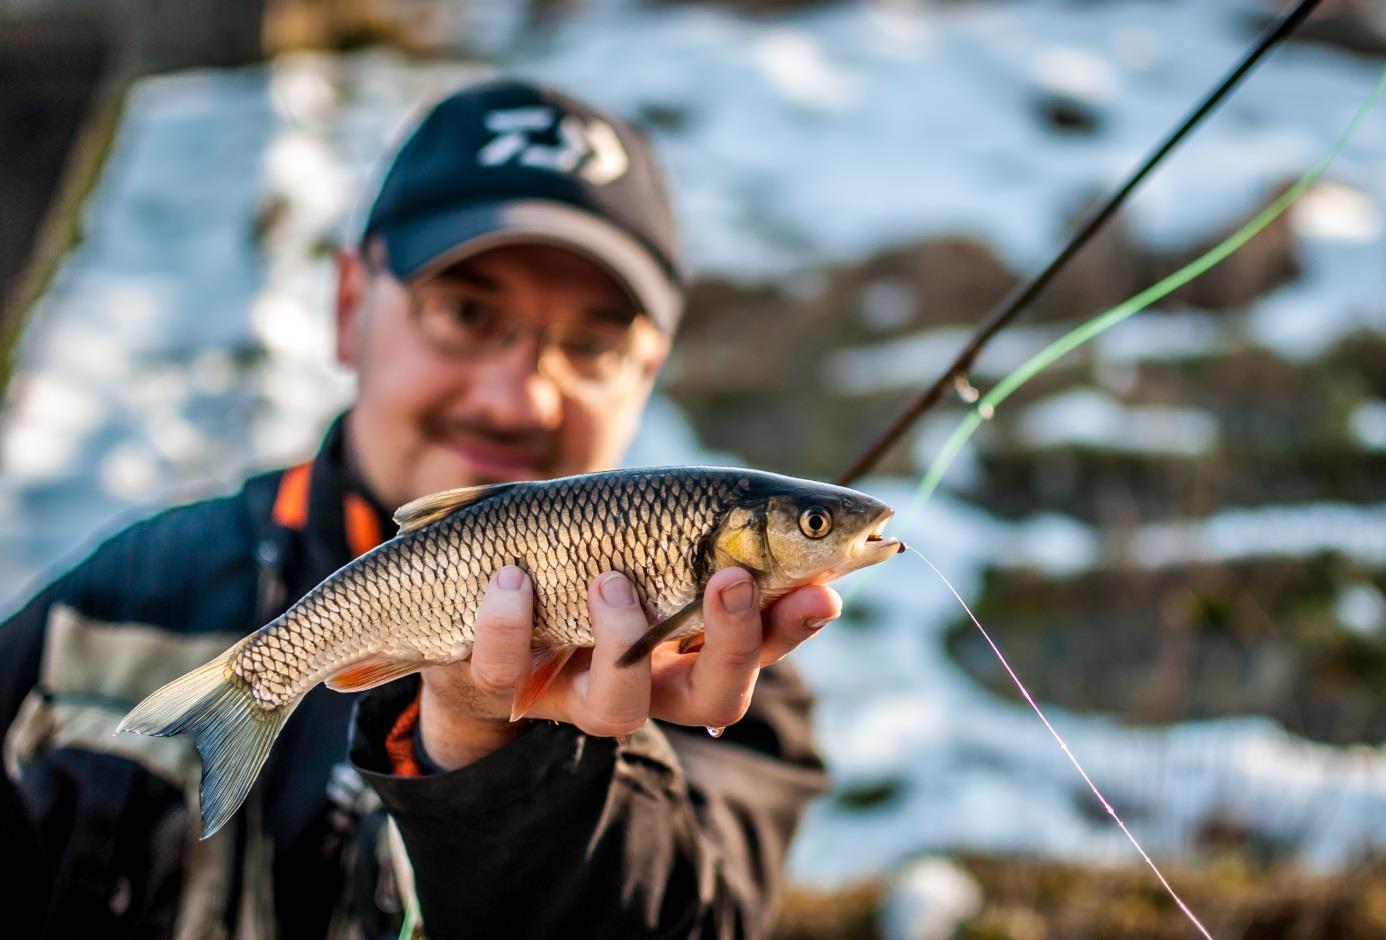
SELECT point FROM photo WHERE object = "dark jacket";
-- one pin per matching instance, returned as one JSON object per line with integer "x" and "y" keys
{"x": 557, "y": 833}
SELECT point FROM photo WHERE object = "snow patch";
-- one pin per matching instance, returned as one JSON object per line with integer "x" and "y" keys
{"x": 929, "y": 900}
{"x": 1368, "y": 424}
{"x": 1358, "y": 532}
{"x": 1094, "y": 419}
{"x": 1362, "y": 609}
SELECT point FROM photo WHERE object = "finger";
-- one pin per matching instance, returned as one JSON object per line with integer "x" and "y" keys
{"x": 725, "y": 672}
{"x": 614, "y": 699}
{"x": 504, "y": 625}
{"x": 795, "y": 618}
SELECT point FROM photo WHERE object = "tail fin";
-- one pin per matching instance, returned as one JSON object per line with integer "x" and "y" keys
{"x": 232, "y": 732}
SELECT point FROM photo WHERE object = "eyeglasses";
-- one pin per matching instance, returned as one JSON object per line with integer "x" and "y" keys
{"x": 583, "y": 357}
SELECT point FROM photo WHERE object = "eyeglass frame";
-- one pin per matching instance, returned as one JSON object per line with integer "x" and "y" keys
{"x": 639, "y": 333}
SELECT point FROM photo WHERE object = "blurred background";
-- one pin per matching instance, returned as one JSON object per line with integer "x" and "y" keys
{"x": 1178, "y": 533}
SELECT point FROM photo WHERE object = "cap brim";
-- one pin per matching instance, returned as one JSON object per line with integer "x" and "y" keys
{"x": 424, "y": 246}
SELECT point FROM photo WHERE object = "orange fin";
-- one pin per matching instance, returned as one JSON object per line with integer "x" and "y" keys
{"x": 691, "y": 644}
{"x": 548, "y": 663}
{"x": 369, "y": 673}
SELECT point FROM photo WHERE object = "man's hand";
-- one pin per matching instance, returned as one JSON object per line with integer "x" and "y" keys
{"x": 465, "y": 706}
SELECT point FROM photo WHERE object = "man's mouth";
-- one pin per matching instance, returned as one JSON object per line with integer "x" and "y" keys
{"x": 493, "y": 460}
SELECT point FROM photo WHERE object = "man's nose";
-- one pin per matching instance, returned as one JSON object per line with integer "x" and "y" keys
{"x": 512, "y": 391}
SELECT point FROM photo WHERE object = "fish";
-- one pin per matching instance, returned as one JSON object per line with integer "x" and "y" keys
{"x": 412, "y": 602}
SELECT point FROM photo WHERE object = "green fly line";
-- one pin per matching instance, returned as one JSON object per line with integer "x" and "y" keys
{"x": 411, "y": 919}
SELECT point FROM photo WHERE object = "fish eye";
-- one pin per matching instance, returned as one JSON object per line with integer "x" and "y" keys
{"x": 816, "y": 522}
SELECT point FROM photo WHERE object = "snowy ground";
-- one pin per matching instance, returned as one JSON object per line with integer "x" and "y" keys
{"x": 186, "y": 340}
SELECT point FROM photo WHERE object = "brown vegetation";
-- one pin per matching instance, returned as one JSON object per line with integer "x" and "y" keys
{"x": 1036, "y": 899}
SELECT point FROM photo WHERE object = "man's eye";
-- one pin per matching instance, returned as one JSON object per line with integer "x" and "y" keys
{"x": 471, "y": 314}
{"x": 589, "y": 345}
{"x": 592, "y": 346}
{"x": 456, "y": 314}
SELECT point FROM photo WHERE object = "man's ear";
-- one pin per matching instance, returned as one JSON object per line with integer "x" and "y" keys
{"x": 352, "y": 281}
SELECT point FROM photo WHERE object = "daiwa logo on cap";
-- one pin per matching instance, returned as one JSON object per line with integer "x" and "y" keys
{"x": 588, "y": 147}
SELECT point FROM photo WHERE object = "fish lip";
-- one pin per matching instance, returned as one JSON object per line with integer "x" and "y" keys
{"x": 874, "y": 541}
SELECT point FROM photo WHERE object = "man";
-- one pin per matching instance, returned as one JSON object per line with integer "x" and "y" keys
{"x": 507, "y": 305}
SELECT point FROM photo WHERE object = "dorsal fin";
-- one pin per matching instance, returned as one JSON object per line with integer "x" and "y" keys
{"x": 426, "y": 509}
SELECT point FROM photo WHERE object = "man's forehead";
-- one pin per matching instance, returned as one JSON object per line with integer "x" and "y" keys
{"x": 518, "y": 268}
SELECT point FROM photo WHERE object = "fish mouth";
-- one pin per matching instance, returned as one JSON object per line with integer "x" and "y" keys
{"x": 876, "y": 545}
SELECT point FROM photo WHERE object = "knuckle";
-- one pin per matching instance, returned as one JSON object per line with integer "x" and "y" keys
{"x": 503, "y": 620}
{"x": 742, "y": 656}
{"x": 728, "y": 713}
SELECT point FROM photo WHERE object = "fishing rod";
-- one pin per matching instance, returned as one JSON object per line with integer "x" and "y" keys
{"x": 1020, "y": 297}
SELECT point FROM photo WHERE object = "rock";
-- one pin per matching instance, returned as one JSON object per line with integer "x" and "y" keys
{"x": 1351, "y": 25}
{"x": 929, "y": 900}
{"x": 1068, "y": 114}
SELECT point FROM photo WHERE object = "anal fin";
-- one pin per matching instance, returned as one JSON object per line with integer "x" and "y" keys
{"x": 371, "y": 672}
{"x": 548, "y": 662}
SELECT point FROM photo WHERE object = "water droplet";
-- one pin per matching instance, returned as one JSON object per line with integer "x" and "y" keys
{"x": 986, "y": 411}
{"x": 716, "y": 732}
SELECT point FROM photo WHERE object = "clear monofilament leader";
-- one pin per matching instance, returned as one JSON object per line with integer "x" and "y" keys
{"x": 1068, "y": 752}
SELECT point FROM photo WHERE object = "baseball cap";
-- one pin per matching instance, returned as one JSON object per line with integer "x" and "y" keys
{"x": 509, "y": 162}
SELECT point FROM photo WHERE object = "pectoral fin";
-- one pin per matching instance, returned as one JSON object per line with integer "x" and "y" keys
{"x": 691, "y": 644}
{"x": 662, "y": 631}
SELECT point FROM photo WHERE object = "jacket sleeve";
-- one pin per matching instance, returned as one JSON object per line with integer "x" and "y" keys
{"x": 670, "y": 834}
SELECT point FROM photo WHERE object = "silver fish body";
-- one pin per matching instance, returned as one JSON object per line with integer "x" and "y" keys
{"x": 416, "y": 596}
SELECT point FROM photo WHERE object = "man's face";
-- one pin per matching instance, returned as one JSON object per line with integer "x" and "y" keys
{"x": 432, "y": 412}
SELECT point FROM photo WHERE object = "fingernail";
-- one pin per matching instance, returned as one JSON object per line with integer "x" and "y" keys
{"x": 737, "y": 598}
{"x": 510, "y": 578}
{"x": 814, "y": 626}
{"x": 616, "y": 591}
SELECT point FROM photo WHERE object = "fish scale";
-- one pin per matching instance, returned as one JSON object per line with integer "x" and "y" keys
{"x": 398, "y": 601}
